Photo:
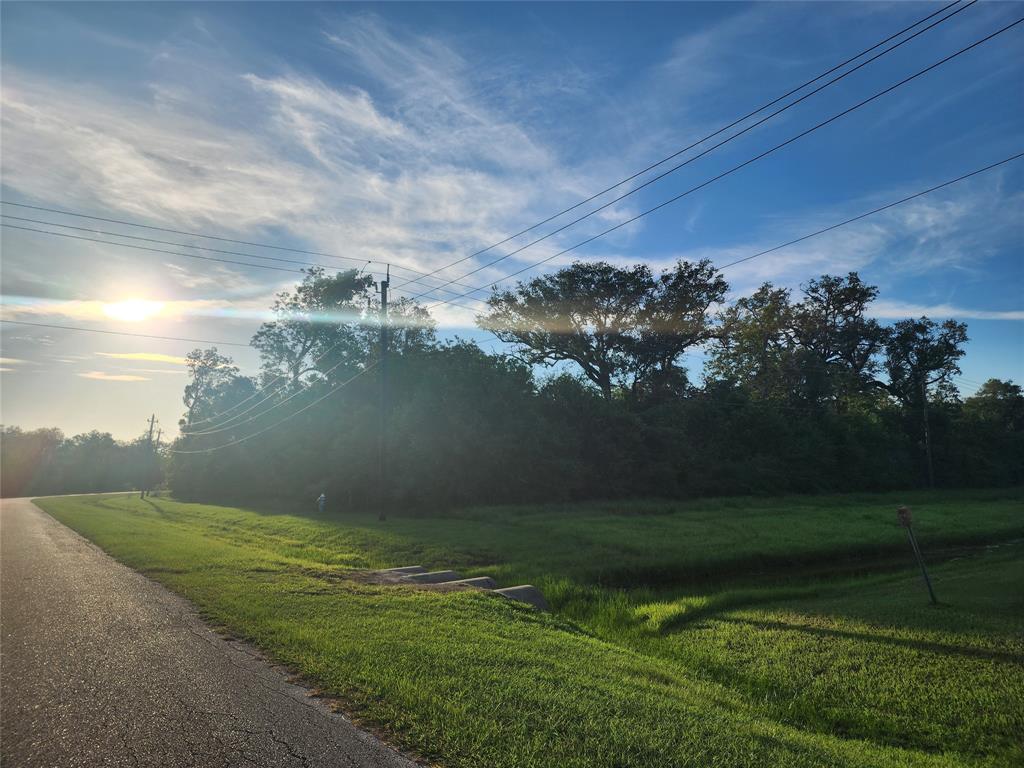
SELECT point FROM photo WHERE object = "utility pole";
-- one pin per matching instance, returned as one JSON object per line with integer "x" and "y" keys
{"x": 927, "y": 432}
{"x": 149, "y": 442}
{"x": 382, "y": 407}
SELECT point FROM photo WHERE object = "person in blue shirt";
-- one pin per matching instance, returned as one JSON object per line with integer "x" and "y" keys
{"x": 321, "y": 503}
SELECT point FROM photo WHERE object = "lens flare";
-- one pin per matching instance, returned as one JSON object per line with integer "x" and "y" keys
{"x": 132, "y": 310}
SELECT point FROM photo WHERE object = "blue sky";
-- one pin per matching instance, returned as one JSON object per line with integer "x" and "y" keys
{"x": 420, "y": 133}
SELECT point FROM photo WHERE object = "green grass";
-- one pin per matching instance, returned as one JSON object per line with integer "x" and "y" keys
{"x": 719, "y": 633}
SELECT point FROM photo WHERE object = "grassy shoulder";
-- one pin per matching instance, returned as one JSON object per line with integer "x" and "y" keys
{"x": 617, "y": 677}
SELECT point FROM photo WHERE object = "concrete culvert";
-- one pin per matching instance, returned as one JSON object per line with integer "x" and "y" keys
{"x": 434, "y": 577}
{"x": 405, "y": 570}
{"x": 480, "y": 582}
{"x": 525, "y": 593}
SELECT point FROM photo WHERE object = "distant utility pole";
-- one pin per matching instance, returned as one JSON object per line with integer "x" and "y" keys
{"x": 927, "y": 433}
{"x": 382, "y": 408}
{"x": 149, "y": 442}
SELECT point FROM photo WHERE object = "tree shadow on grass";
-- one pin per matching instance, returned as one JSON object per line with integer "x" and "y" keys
{"x": 921, "y": 645}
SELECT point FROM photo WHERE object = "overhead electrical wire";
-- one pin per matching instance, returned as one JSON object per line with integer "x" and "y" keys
{"x": 534, "y": 226}
{"x": 123, "y": 222}
{"x": 226, "y": 424}
{"x": 443, "y": 286}
{"x": 735, "y": 168}
{"x": 181, "y": 245}
{"x": 153, "y": 250}
{"x": 872, "y": 212}
{"x": 363, "y": 371}
{"x": 270, "y": 386}
{"x": 823, "y": 230}
{"x": 676, "y": 154}
{"x": 277, "y": 423}
{"x": 126, "y": 333}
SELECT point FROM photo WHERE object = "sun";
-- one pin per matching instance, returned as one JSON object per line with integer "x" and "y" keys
{"x": 132, "y": 310}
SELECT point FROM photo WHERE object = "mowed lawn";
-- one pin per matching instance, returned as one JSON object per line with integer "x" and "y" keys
{"x": 729, "y": 632}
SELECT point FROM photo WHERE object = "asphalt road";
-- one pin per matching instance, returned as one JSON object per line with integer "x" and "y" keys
{"x": 101, "y": 667}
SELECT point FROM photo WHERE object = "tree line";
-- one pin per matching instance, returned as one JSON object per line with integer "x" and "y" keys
{"x": 44, "y": 462}
{"x": 797, "y": 393}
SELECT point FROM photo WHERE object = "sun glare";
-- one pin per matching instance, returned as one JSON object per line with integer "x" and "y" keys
{"x": 132, "y": 310}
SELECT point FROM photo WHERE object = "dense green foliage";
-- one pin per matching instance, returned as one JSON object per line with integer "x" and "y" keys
{"x": 804, "y": 396}
{"x": 43, "y": 461}
{"x": 787, "y": 632}
{"x": 799, "y": 395}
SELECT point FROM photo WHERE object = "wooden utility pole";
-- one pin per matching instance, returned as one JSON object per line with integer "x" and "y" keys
{"x": 382, "y": 496}
{"x": 149, "y": 442}
{"x": 927, "y": 433}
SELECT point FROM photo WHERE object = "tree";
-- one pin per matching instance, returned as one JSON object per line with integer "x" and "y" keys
{"x": 922, "y": 353}
{"x": 999, "y": 403}
{"x": 327, "y": 327}
{"x": 209, "y": 371}
{"x": 756, "y": 347}
{"x": 621, "y": 326}
{"x": 838, "y": 343}
{"x": 316, "y": 327}
{"x": 674, "y": 318}
{"x": 25, "y": 457}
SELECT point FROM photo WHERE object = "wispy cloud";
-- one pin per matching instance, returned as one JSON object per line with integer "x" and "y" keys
{"x": 92, "y": 309}
{"x": 956, "y": 229}
{"x": 428, "y": 167}
{"x": 894, "y": 310}
{"x": 101, "y": 376}
{"x": 87, "y": 148}
{"x": 153, "y": 357}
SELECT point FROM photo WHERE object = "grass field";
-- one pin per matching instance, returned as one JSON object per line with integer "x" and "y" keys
{"x": 716, "y": 633}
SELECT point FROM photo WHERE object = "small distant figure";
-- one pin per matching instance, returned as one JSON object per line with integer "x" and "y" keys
{"x": 321, "y": 503}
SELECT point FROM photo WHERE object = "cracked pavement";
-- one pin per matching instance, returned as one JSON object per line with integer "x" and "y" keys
{"x": 101, "y": 667}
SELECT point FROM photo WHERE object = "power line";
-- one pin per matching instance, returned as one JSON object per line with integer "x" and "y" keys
{"x": 153, "y": 250}
{"x": 816, "y": 233}
{"x": 873, "y": 212}
{"x": 573, "y": 207}
{"x": 181, "y": 245}
{"x": 76, "y": 214}
{"x": 738, "y": 167}
{"x": 257, "y": 393}
{"x": 126, "y": 333}
{"x": 226, "y": 424}
{"x": 280, "y": 421}
{"x": 709, "y": 136}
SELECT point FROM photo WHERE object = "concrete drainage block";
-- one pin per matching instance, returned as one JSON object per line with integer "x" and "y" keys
{"x": 525, "y": 593}
{"x": 480, "y": 582}
{"x": 434, "y": 577}
{"x": 417, "y": 574}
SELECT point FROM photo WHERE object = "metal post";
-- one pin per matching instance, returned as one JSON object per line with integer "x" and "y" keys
{"x": 382, "y": 408}
{"x": 903, "y": 513}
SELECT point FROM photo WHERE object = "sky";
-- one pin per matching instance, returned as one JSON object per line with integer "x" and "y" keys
{"x": 419, "y": 134}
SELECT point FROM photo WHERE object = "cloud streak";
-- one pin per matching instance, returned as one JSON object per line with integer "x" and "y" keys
{"x": 101, "y": 376}
{"x": 153, "y": 357}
